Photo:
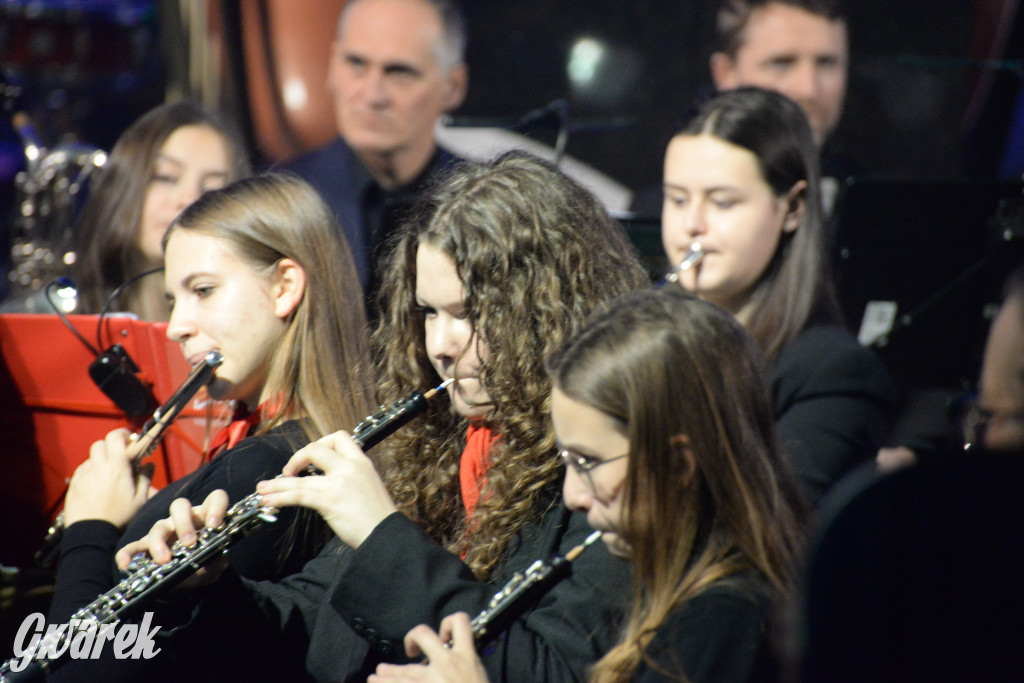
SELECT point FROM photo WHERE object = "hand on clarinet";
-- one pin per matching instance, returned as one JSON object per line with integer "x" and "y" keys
{"x": 350, "y": 495}
{"x": 451, "y": 655}
{"x": 107, "y": 486}
{"x": 183, "y": 525}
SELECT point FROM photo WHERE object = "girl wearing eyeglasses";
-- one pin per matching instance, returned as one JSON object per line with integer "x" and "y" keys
{"x": 661, "y": 411}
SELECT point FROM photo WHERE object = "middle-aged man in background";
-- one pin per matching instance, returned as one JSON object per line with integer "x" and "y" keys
{"x": 395, "y": 67}
{"x": 796, "y": 47}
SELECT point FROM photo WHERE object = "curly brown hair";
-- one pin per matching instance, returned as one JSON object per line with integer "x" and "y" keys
{"x": 536, "y": 253}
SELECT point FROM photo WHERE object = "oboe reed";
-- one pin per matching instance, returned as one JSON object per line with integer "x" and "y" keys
{"x": 429, "y": 394}
{"x": 589, "y": 541}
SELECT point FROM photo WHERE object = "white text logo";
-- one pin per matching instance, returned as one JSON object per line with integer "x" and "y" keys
{"x": 81, "y": 639}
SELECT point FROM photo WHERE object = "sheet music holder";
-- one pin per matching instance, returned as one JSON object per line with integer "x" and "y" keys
{"x": 919, "y": 269}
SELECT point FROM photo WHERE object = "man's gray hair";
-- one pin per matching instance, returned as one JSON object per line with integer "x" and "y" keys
{"x": 452, "y": 50}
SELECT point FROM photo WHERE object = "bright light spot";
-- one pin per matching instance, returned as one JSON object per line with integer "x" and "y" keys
{"x": 585, "y": 59}
{"x": 295, "y": 95}
{"x": 68, "y": 299}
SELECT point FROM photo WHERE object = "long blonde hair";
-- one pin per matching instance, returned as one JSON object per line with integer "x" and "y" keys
{"x": 320, "y": 368}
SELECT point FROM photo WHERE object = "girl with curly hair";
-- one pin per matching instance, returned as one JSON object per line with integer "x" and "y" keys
{"x": 662, "y": 417}
{"x": 501, "y": 265}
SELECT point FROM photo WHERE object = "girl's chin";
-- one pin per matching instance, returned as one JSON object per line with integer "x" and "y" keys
{"x": 616, "y": 546}
{"x": 472, "y": 411}
{"x": 471, "y": 405}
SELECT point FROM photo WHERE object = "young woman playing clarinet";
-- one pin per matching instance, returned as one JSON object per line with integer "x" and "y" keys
{"x": 256, "y": 271}
{"x": 742, "y": 201}
{"x": 662, "y": 417}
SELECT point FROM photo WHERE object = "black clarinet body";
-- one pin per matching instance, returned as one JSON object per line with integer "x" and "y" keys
{"x": 523, "y": 591}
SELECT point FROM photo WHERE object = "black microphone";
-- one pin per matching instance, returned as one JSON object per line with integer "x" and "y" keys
{"x": 113, "y": 371}
{"x": 117, "y": 376}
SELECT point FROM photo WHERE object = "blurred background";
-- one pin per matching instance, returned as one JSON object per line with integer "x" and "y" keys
{"x": 933, "y": 124}
{"x": 934, "y": 89}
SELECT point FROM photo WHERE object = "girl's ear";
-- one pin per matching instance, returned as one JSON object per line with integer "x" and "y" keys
{"x": 795, "y": 201}
{"x": 679, "y": 444}
{"x": 289, "y": 287}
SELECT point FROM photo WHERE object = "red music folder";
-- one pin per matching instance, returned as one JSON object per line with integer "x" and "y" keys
{"x": 51, "y": 412}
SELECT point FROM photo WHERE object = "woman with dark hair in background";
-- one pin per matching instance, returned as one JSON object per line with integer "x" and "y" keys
{"x": 159, "y": 165}
{"x": 741, "y": 181}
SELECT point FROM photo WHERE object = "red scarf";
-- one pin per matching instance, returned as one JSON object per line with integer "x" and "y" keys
{"x": 242, "y": 424}
{"x": 474, "y": 463}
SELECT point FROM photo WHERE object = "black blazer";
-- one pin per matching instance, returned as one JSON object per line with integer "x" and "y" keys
{"x": 832, "y": 399}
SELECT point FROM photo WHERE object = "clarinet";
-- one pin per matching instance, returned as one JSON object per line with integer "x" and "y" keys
{"x": 144, "y": 441}
{"x": 523, "y": 590}
{"x": 146, "y": 580}
{"x": 693, "y": 256}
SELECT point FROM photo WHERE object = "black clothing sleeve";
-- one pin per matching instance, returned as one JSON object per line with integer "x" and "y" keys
{"x": 279, "y": 626}
{"x": 399, "y": 578}
{"x": 349, "y": 609}
{"x": 833, "y": 400}
{"x": 720, "y": 636}
{"x": 87, "y": 561}
{"x": 87, "y": 567}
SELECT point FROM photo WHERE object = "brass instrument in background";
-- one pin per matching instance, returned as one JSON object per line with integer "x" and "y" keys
{"x": 47, "y": 196}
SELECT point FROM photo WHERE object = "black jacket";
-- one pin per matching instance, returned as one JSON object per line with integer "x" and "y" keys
{"x": 348, "y": 610}
{"x": 832, "y": 399}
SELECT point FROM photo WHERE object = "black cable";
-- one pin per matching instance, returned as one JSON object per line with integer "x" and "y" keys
{"x": 113, "y": 295}
{"x": 65, "y": 282}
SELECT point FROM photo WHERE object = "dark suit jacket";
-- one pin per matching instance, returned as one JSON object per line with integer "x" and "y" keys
{"x": 340, "y": 179}
{"x": 832, "y": 400}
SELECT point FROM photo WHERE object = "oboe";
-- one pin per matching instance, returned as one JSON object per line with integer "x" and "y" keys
{"x": 523, "y": 590}
{"x": 694, "y": 255}
{"x": 147, "y": 580}
{"x": 146, "y": 440}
